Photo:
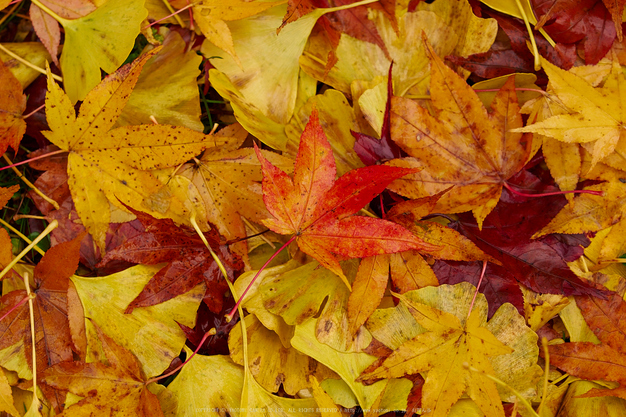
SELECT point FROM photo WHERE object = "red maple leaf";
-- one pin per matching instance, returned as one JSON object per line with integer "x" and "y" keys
{"x": 318, "y": 209}
{"x": 539, "y": 264}
{"x": 189, "y": 262}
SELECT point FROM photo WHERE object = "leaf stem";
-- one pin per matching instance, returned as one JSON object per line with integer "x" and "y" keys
{"x": 30, "y": 184}
{"x": 53, "y": 225}
{"x": 480, "y": 280}
{"x": 34, "y": 405}
{"x": 511, "y": 189}
{"x": 34, "y": 111}
{"x": 189, "y": 6}
{"x": 504, "y": 384}
{"x": 28, "y": 63}
{"x": 176, "y": 16}
{"x": 534, "y": 90}
{"x": 535, "y": 51}
{"x": 17, "y": 232}
{"x": 546, "y": 357}
{"x": 31, "y": 159}
{"x": 15, "y": 307}
{"x": 230, "y": 315}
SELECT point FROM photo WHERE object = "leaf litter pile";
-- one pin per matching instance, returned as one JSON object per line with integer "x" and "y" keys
{"x": 302, "y": 208}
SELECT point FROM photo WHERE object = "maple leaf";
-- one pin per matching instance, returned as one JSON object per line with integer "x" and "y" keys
{"x": 506, "y": 235}
{"x": 107, "y": 165}
{"x": 189, "y": 262}
{"x": 590, "y": 213}
{"x": 596, "y": 116}
{"x": 113, "y": 385}
{"x": 318, "y": 209}
{"x": 53, "y": 342}
{"x": 605, "y": 361}
{"x": 461, "y": 145}
{"x": 12, "y": 105}
{"x": 585, "y": 22}
{"x": 442, "y": 350}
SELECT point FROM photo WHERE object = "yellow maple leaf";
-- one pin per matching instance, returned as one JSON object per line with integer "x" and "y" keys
{"x": 107, "y": 165}
{"x": 596, "y": 114}
{"x": 101, "y": 39}
{"x": 442, "y": 351}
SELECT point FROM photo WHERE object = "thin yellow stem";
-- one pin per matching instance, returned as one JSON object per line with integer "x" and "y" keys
{"x": 368, "y": 213}
{"x": 244, "y": 333}
{"x": 504, "y": 384}
{"x": 30, "y": 184}
{"x": 28, "y": 64}
{"x": 546, "y": 356}
{"x": 17, "y": 232}
{"x": 217, "y": 260}
{"x": 176, "y": 16}
{"x": 530, "y": 34}
{"x": 53, "y": 225}
{"x": 28, "y": 216}
{"x": 35, "y": 403}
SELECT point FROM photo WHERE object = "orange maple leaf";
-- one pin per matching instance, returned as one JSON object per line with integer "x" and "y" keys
{"x": 461, "y": 144}
{"x": 318, "y": 209}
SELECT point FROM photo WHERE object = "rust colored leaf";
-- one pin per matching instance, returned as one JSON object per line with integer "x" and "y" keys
{"x": 606, "y": 361}
{"x": 318, "y": 209}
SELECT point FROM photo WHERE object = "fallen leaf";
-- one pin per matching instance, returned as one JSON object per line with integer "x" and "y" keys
{"x": 586, "y": 23}
{"x": 116, "y": 384}
{"x": 101, "y": 39}
{"x": 208, "y": 382}
{"x": 150, "y": 333}
{"x": 271, "y": 363}
{"x": 189, "y": 262}
{"x": 539, "y": 264}
{"x": 466, "y": 339}
{"x": 595, "y": 116}
{"x": 460, "y": 145}
{"x": 118, "y": 158}
{"x": 12, "y": 105}
{"x": 33, "y": 52}
{"x": 317, "y": 208}
{"x": 167, "y": 88}
{"x": 604, "y": 361}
